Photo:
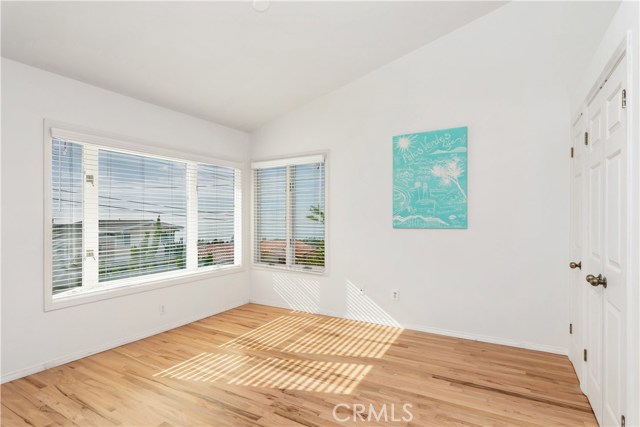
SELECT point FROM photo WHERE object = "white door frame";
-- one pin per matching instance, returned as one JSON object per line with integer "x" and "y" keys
{"x": 576, "y": 252}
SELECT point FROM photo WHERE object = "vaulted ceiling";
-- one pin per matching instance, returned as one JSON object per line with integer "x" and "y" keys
{"x": 224, "y": 61}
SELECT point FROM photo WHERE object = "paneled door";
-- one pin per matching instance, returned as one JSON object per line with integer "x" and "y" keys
{"x": 604, "y": 266}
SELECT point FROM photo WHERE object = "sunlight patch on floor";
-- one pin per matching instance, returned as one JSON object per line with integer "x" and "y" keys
{"x": 285, "y": 374}
{"x": 344, "y": 337}
{"x": 270, "y": 334}
{"x": 293, "y": 334}
{"x": 205, "y": 367}
{"x": 304, "y": 375}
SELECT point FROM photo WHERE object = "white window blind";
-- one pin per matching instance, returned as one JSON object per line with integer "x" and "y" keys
{"x": 123, "y": 218}
{"x": 307, "y": 214}
{"x": 66, "y": 215}
{"x": 142, "y": 215}
{"x": 289, "y": 213}
{"x": 271, "y": 216}
{"x": 218, "y": 203}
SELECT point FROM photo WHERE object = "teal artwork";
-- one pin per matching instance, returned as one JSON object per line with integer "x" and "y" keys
{"x": 430, "y": 179}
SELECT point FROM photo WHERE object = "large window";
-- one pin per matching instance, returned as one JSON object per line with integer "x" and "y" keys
{"x": 142, "y": 215}
{"x": 217, "y": 209}
{"x": 289, "y": 213}
{"x": 127, "y": 218}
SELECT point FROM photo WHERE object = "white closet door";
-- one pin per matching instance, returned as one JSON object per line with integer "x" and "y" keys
{"x": 614, "y": 244}
{"x": 606, "y": 248}
{"x": 594, "y": 200}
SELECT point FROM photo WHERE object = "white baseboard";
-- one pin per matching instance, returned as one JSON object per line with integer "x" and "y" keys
{"x": 6, "y": 377}
{"x": 490, "y": 339}
{"x": 446, "y": 332}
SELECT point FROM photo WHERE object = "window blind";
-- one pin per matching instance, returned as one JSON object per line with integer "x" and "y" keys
{"x": 142, "y": 215}
{"x": 66, "y": 215}
{"x": 118, "y": 217}
{"x": 289, "y": 213}
{"x": 307, "y": 214}
{"x": 271, "y": 215}
{"x": 217, "y": 219}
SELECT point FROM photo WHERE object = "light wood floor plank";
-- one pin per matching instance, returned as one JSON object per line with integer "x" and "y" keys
{"x": 264, "y": 366}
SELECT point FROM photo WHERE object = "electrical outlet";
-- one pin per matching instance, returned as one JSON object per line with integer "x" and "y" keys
{"x": 163, "y": 309}
{"x": 395, "y": 294}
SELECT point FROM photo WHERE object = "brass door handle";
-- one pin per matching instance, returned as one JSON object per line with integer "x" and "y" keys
{"x": 575, "y": 265}
{"x": 597, "y": 281}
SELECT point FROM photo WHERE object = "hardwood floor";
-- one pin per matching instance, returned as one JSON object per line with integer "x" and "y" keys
{"x": 258, "y": 365}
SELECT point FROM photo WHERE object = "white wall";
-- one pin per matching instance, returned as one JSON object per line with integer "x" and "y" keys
{"x": 626, "y": 21}
{"x": 505, "y": 278}
{"x": 31, "y": 338}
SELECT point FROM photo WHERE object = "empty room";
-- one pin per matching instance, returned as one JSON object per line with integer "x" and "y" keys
{"x": 320, "y": 213}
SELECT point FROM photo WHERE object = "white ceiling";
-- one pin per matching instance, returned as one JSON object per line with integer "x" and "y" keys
{"x": 224, "y": 61}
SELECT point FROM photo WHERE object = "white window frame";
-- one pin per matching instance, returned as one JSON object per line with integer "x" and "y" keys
{"x": 145, "y": 283}
{"x": 315, "y": 157}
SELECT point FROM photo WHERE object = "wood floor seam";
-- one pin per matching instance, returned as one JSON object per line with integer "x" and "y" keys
{"x": 511, "y": 393}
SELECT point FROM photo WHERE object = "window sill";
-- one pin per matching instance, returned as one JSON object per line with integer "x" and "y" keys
{"x": 71, "y": 298}
{"x": 284, "y": 268}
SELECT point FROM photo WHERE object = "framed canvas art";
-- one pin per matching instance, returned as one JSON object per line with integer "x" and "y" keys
{"x": 430, "y": 179}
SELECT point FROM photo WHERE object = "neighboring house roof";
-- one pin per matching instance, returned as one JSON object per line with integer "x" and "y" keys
{"x": 117, "y": 226}
{"x": 220, "y": 251}
{"x": 120, "y": 226}
{"x": 277, "y": 248}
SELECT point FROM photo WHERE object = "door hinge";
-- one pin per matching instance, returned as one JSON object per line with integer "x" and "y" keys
{"x": 623, "y": 421}
{"x": 586, "y": 138}
{"x": 572, "y": 152}
{"x": 624, "y": 98}
{"x": 570, "y": 328}
{"x": 585, "y": 355}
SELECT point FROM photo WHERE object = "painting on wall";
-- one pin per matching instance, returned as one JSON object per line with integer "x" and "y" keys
{"x": 430, "y": 179}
